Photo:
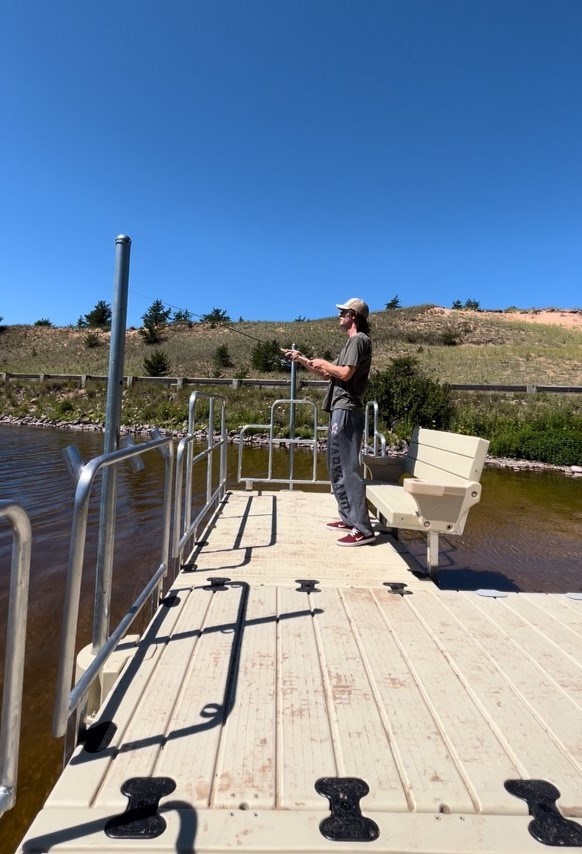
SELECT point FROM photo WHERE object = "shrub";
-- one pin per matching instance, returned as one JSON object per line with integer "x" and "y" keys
{"x": 528, "y": 428}
{"x": 65, "y": 407}
{"x": 266, "y": 356}
{"x": 217, "y": 315}
{"x": 150, "y": 333}
{"x": 406, "y": 397}
{"x": 222, "y": 357}
{"x": 182, "y": 315}
{"x": 535, "y": 442}
{"x": 154, "y": 319}
{"x": 92, "y": 340}
{"x": 472, "y": 304}
{"x": 44, "y": 321}
{"x": 393, "y": 303}
{"x": 450, "y": 338}
{"x": 157, "y": 365}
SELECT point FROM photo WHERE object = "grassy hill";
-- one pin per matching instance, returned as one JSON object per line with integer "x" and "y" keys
{"x": 452, "y": 346}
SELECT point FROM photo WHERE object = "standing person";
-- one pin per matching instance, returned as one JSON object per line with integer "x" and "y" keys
{"x": 348, "y": 376}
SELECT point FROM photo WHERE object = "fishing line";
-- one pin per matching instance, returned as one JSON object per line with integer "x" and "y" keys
{"x": 218, "y": 322}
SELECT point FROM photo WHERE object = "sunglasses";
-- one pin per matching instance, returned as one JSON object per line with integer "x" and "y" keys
{"x": 345, "y": 311}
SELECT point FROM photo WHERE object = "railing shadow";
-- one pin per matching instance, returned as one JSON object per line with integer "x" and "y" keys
{"x": 185, "y": 840}
{"x": 247, "y": 550}
{"x": 214, "y": 713}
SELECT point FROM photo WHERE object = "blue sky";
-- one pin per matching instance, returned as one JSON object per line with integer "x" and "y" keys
{"x": 273, "y": 157}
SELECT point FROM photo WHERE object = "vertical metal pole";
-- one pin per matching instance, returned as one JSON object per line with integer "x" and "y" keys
{"x": 292, "y": 420}
{"x": 209, "y": 458}
{"x": 104, "y": 568}
{"x": 15, "y": 646}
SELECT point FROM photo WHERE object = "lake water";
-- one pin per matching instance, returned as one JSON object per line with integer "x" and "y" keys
{"x": 524, "y": 535}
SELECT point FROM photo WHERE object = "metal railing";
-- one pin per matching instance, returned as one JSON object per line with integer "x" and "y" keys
{"x": 291, "y": 442}
{"x": 373, "y": 440}
{"x": 69, "y": 700}
{"x": 185, "y": 527}
{"x": 15, "y": 648}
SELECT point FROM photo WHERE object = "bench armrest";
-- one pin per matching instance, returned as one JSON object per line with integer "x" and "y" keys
{"x": 415, "y": 486}
{"x": 443, "y": 505}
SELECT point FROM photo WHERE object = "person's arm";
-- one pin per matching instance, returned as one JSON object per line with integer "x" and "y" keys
{"x": 337, "y": 372}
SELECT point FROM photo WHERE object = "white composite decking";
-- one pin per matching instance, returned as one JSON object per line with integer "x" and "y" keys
{"x": 245, "y": 696}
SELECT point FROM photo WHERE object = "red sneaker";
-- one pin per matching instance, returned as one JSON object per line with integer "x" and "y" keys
{"x": 337, "y": 526}
{"x": 356, "y": 538}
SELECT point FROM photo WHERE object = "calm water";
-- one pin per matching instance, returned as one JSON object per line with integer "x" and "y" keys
{"x": 524, "y": 535}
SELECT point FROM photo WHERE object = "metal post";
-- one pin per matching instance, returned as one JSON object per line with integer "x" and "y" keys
{"x": 292, "y": 420}
{"x": 104, "y": 567}
{"x": 15, "y": 647}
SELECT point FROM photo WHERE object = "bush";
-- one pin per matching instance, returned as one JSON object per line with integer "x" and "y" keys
{"x": 154, "y": 320}
{"x": 546, "y": 430}
{"x": 266, "y": 356}
{"x": 44, "y": 321}
{"x": 222, "y": 357}
{"x": 65, "y": 407}
{"x": 217, "y": 315}
{"x": 182, "y": 315}
{"x": 470, "y": 304}
{"x": 157, "y": 365}
{"x": 450, "y": 338}
{"x": 406, "y": 397}
{"x": 150, "y": 333}
{"x": 533, "y": 442}
{"x": 92, "y": 340}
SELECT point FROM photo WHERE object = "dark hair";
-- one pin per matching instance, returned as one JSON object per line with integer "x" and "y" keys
{"x": 362, "y": 324}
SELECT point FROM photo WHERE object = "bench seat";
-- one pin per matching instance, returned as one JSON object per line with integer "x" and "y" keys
{"x": 431, "y": 489}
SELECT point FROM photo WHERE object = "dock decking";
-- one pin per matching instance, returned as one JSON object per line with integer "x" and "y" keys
{"x": 245, "y": 694}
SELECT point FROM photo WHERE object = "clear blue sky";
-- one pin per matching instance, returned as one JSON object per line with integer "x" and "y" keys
{"x": 273, "y": 157}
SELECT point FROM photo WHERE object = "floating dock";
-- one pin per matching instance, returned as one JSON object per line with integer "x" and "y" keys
{"x": 293, "y": 696}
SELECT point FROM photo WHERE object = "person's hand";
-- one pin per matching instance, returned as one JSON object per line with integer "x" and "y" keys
{"x": 294, "y": 355}
{"x": 319, "y": 367}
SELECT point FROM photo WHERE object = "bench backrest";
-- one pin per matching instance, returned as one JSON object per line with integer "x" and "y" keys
{"x": 449, "y": 457}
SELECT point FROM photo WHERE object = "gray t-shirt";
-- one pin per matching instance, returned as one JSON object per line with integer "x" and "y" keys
{"x": 356, "y": 352}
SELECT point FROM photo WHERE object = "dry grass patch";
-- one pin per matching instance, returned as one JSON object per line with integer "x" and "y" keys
{"x": 453, "y": 346}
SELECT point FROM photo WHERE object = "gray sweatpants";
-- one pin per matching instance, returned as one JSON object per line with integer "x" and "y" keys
{"x": 344, "y": 438}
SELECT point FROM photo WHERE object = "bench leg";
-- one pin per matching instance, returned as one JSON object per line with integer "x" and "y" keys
{"x": 392, "y": 531}
{"x": 432, "y": 555}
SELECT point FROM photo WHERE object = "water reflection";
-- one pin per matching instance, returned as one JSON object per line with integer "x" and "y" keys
{"x": 524, "y": 535}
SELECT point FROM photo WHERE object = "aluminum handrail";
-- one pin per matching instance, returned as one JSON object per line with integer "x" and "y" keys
{"x": 371, "y": 433}
{"x": 377, "y": 437}
{"x": 15, "y": 648}
{"x": 184, "y": 526}
{"x": 67, "y": 700}
{"x": 291, "y": 480}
